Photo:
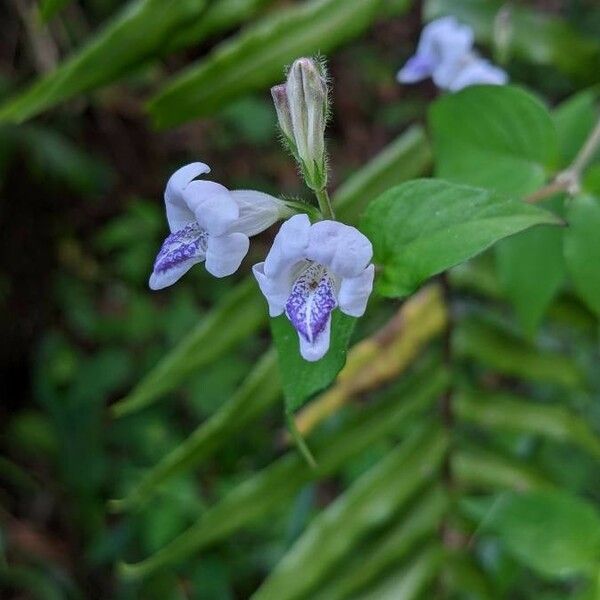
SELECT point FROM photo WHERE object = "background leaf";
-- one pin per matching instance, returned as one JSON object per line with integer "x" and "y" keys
{"x": 531, "y": 269}
{"x": 256, "y": 58}
{"x": 301, "y": 379}
{"x": 49, "y": 8}
{"x": 134, "y": 35}
{"x": 574, "y": 119}
{"x": 423, "y": 227}
{"x": 496, "y": 137}
{"x": 582, "y": 248}
{"x": 552, "y": 532}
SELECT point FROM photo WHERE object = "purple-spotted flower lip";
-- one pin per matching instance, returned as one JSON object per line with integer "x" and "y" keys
{"x": 445, "y": 53}
{"x": 310, "y": 271}
{"x": 209, "y": 223}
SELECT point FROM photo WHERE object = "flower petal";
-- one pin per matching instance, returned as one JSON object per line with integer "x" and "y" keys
{"x": 311, "y": 301}
{"x": 478, "y": 72}
{"x": 178, "y": 213}
{"x": 225, "y": 253}
{"x": 289, "y": 247}
{"x": 275, "y": 290}
{"x": 355, "y": 291}
{"x": 344, "y": 249}
{"x": 415, "y": 69}
{"x": 212, "y": 205}
{"x": 445, "y": 39}
{"x": 258, "y": 211}
{"x": 317, "y": 349}
{"x": 179, "y": 252}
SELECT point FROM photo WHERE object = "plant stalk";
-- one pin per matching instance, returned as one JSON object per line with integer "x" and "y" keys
{"x": 325, "y": 204}
{"x": 569, "y": 179}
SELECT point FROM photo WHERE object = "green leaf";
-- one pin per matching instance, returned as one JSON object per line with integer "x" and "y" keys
{"x": 411, "y": 581}
{"x": 496, "y": 137}
{"x": 49, "y": 8}
{"x": 494, "y": 346}
{"x": 538, "y": 37}
{"x": 500, "y": 411}
{"x": 552, "y": 532}
{"x": 476, "y": 468}
{"x": 336, "y": 530}
{"x": 408, "y": 156}
{"x": 532, "y": 270}
{"x": 301, "y": 379}
{"x": 256, "y": 58}
{"x": 276, "y": 484}
{"x": 219, "y": 16}
{"x": 574, "y": 120}
{"x": 137, "y": 33}
{"x": 239, "y": 314}
{"x": 423, "y": 227}
{"x": 258, "y": 391}
{"x": 388, "y": 549}
{"x": 582, "y": 248}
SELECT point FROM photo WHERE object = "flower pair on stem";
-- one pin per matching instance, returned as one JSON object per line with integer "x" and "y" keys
{"x": 312, "y": 268}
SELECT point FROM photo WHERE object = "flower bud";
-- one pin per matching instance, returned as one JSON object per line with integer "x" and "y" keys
{"x": 302, "y": 114}
{"x": 284, "y": 117}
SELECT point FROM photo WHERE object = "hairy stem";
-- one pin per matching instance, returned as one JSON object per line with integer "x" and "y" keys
{"x": 325, "y": 204}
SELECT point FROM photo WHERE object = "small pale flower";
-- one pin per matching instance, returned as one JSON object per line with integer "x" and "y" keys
{"x": 445, "y": 53}
{"x": 477, "y": 71}
{"x": 209, "y": 223}
{"x": 443, "y": 43}
{"x": 310, "y": 271}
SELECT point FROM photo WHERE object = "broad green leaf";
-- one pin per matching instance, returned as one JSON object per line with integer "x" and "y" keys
{"x": 301, "y": 379}
{"x": 368, "y": 504}
{"x": 256, "y": 58}
{"x": 239, "y": 314}
{"x": 495, "y": 347}
{"x": 388, "y": 549}
{"x": 260, "y": 389}
{"x": 500, "y": 411}
{"x": 538, "y": 37}
{"x": 476, "y": 468}
{"x": 532, "y": 269}
{"x": 423, "y": 227}
{"x": 276, "y": 484}
{"x": 574, "y": 120}
{"x": 411, "y": 581}
{"x": 582, "y": 248}
{"x": 49, "y": 8}
{"x": 135, "y": 34}
{"x": 496, "y": 137}
{"x": 408, "y": 156}
{"x": 552, "y": 532}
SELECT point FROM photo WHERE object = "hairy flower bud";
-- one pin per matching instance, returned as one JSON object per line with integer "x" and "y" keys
{"x": 301, "y": 106}
{"x": 284, "y": 117}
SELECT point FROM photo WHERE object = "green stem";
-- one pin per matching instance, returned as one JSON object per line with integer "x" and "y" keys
{"x": 325, "y": 204}
{"x": 299, "y": 440}
{"x": 569, "y": 179}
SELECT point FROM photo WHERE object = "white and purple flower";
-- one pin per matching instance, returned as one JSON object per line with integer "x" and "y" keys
{"x": 445, "y": 53}
{"x": 311, "y": 270}
{"x": 209, "y": 223}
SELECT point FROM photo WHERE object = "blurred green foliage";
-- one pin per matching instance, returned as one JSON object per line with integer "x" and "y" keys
{"x": 144, "y": 453}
